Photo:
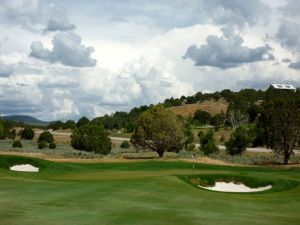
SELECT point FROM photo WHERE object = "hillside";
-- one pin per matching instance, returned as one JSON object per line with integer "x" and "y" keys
{"x": 210, "y": 106}
{"x": 26, "y": 120}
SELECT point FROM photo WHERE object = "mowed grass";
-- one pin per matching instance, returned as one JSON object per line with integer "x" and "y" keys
{"x": 145, "y": 192}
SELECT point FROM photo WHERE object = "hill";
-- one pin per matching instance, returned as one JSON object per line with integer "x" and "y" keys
{"x": 210, "y": 106}
{"x": 26, "y": 120}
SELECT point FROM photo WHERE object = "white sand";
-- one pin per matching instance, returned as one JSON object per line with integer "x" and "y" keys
{"x": 232, "y": 187}
{"x": 24, "y": 168}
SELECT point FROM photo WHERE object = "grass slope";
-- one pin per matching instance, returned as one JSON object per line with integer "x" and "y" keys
{"x": 149, "y": 192}
{"x": 212, "y": 107}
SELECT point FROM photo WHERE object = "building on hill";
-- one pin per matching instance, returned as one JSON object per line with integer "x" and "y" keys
{"x": 279, "y": 86}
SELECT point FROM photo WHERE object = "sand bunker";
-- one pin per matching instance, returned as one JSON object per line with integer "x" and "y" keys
{"x": 233, "y": 187}
{"x": 24, "y": 168}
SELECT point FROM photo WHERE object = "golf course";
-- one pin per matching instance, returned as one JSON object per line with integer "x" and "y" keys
{"x": 142, "y": 192}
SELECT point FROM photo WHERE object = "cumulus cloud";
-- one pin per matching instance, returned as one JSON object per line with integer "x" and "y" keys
{"x": 226, "y": 52}
{"x": 61, "y": 24}
{"x": 139, "y": 82}
{"x": 67, "y": 50}
{"x": 289, "y": 35}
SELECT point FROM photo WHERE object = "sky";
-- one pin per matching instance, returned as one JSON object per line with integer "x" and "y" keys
{"x": 63, "y": 59}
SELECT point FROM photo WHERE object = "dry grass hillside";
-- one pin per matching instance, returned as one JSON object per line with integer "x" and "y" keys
{"x": 212, "y": 107}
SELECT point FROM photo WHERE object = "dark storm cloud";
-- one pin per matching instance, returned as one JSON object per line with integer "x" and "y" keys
{"x": 291, "y": 9}
{"x": 59, "y": 84}
{"x": 67, "y": 50}
{"x": 56, "y": 24}
{"x": 5, "y": 70}
{"x": 33, "y": 15}
{"x": 289, "y": 35}
{"x": 295, "y": 65}
{"x": 286, "y": 60}
{"x": 168, "y": 14}
{"x": 226, "y": 52}
{"x": 237, "y": 12}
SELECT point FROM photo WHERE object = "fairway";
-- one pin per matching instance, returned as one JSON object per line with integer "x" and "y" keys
{"x": 144, "y": 192}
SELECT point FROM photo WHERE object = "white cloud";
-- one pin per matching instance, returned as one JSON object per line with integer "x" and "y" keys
{"x": 67, "y": 49}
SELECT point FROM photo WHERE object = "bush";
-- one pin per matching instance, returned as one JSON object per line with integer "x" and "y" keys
{"x": 125, "y": 144}
{"x": 52, "y": 145}
{"x": 239, "y": 140}
{"x": 27, "y": 133}
{"x": 17, "y": 144}
{"x": 46, "y": 136}
{"x": 202, "y": 117}
{"x": 207, "y": 142}
{"x": 222, "y": 139}
{"x": 91, "y": 138}
{"x": 42, "y": 144}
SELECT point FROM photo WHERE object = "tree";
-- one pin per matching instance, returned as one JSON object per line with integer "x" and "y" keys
{"x": 13, "y": 134}
{"x": 91, "y": 138}
{"x": 69, "y": 124}
{"x": 188, "y": 140}
{"x": 158, "y": 129}
{"x": 82, "y": 121}
{"x": 282, "y": 125}
{"x": 46, "y": 136}
{"x": 27, "y": 133}
{"x": 207, "y": 141}
{"x": 237, "y": 118}
{"x": 55, "y": 125}
{"x": 239, "y": 140}
{"x": 5, "y": 127}
{"x": 202, "y": 117}
{"x": 217, "y": 120}
{"x": 2, "y": 131}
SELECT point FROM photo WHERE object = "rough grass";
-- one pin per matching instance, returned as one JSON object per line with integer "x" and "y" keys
{"x": 149, "y": 192}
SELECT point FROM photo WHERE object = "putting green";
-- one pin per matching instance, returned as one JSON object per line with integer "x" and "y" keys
{"x": 148, "y": 192}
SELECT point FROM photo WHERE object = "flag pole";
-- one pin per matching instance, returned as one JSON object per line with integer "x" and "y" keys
{"x": 193, "y": 157}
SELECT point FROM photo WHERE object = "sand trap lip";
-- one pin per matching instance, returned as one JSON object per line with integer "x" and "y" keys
{"x": 234, "y": 187}
{"x": 24, "y": 168}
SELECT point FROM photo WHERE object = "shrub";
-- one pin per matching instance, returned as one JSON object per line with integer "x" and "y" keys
{"x": 91, "y": 138}
{"x": 208, "y": 145}
{"x": 17, "y": 144}
{"x": 52, "y": 145}
{"x": 27, "y": 133}
{"x": 239, "y": 140}
{"x": 46, "y": 136}
{"x": 42, "y": 144}
{"x": 202, "y": 117}
{"x": 222, "y": 139}
{"x": 125, "y": 144}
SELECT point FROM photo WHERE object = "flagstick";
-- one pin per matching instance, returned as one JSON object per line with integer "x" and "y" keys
{"x": 193, "y": 166}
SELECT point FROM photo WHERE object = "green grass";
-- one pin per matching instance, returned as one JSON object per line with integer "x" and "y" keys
{"x": 145, "y": 192}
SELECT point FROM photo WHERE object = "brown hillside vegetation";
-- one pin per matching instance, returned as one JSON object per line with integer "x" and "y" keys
{"x": 212, "y": 107}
